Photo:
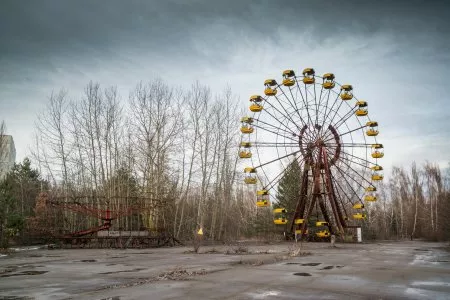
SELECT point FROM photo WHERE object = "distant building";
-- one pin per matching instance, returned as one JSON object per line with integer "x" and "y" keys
{"x": 7, "y": 154}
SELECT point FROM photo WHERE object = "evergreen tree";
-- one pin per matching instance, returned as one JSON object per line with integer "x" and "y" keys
{"x": 18, "y": 192}
{"x": 289, "y": 187}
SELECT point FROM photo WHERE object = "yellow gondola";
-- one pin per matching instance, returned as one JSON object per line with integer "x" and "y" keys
{"x": 256, "y": 98}
{"x": 249, "y": 170}
{"x": 359, "y": 216}
{"x": 358, "y": 206}
{"x": 308, "y": 74}
{"x": 248, "y": 120}
{"x": 377, "y": 168}
{"x": 377, "y": 172}
{"x": 245, "y": 154}
{"x": 371, "y": 189}
{"x": 346, "y": 90}
{"x": 250, "y": 180}
{"x": 321, "y": 223}
{"x": 256, "y": 107}
{"x": 362, "y": 109}
{"x": 263, "y": 203}
{"x": 377, "y": 177}
{"x": 328, "y": 81}
{"x": 370, "y": 198}
{"x": 279, "y": 211}
{"x": 280, "y": 221}
{"x": 288, "y": 78}
{"x": 299, "y": 221}
{"x": 298, "y": 231}
{"x": 270, "y": 90}
{"x": 246, "y": 129}
{"x": 373, "y": 130}
{"x": 262, "y": 192}
{"x": 246, "y": 144}
{"x": 323, "y": 233}
{"x": 377, "y": 151}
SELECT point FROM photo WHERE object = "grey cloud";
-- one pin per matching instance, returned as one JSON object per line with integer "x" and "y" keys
{"x": 58, "y": 27}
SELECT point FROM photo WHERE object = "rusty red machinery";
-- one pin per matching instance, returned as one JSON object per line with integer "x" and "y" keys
{"x": 106, "y": 210}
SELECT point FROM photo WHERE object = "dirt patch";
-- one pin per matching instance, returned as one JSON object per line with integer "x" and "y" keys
{"x": 175, "y": 274}
{"x": 302, "y": 274}
{"x": 237, "y": 250}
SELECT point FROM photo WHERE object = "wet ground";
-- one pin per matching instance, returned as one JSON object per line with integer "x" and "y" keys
{"x": 388, "y": 270}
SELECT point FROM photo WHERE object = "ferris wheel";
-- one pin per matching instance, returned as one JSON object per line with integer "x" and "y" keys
{"x": 319, "y": 124}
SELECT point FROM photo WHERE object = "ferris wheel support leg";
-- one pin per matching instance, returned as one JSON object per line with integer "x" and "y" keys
{"x": 325, "y": 215}
{"x": 301, "y": 204}
{"x": 340, "y": 223}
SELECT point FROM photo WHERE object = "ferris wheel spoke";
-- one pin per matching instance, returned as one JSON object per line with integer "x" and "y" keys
{"x": 288, "y": 115}
{"x": 274, "y": 144}
{"x": 350, "y": 131}
{"x": 336, "y": 112}
{"x": 331, "y": 108}
{"x": 357, "y": 157}
{"x": 354, "y": 145}
{"x": 336, "y": 182}
{"x": 277, "y": 159}
{"x": 278, "y": 119}
{"x": 277, "y": 178}
{"x": 276, "y": 133}
{"x": 355, "y": 162}
{"x": 293, "y": 104}
{"x": 348, "y": 183}
{"x": 273, "y": 126}
{"x": 345, "y": 117}
{"x": 305, "y": 102}
{"x": 356, "y": 172}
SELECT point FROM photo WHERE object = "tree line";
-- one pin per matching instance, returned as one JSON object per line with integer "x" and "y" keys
{"x": 172, "y": 153}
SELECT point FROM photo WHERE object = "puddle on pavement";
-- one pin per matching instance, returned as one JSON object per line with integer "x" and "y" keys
{"x": 302, "y": 274}
{"x": 88, "y": 260}
{"x": 327, "y": 268}
{"x": 124, "y": 271}
{"x": 24, "y": 273}
{"x": 15, "y": 298}
{"x": 311, "y": 264}
{"x": 419, "y": 249}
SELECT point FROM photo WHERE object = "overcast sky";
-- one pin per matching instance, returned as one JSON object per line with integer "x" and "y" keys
{"x": 396, "y": 54}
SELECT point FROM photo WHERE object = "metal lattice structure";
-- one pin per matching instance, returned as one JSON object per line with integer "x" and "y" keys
{"x": 321, "y": 125}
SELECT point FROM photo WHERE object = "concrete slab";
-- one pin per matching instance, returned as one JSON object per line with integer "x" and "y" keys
{"x": 400, "y": 270}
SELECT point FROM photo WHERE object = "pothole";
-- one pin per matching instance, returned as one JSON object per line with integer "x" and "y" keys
{"x": 302, "y": 274}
